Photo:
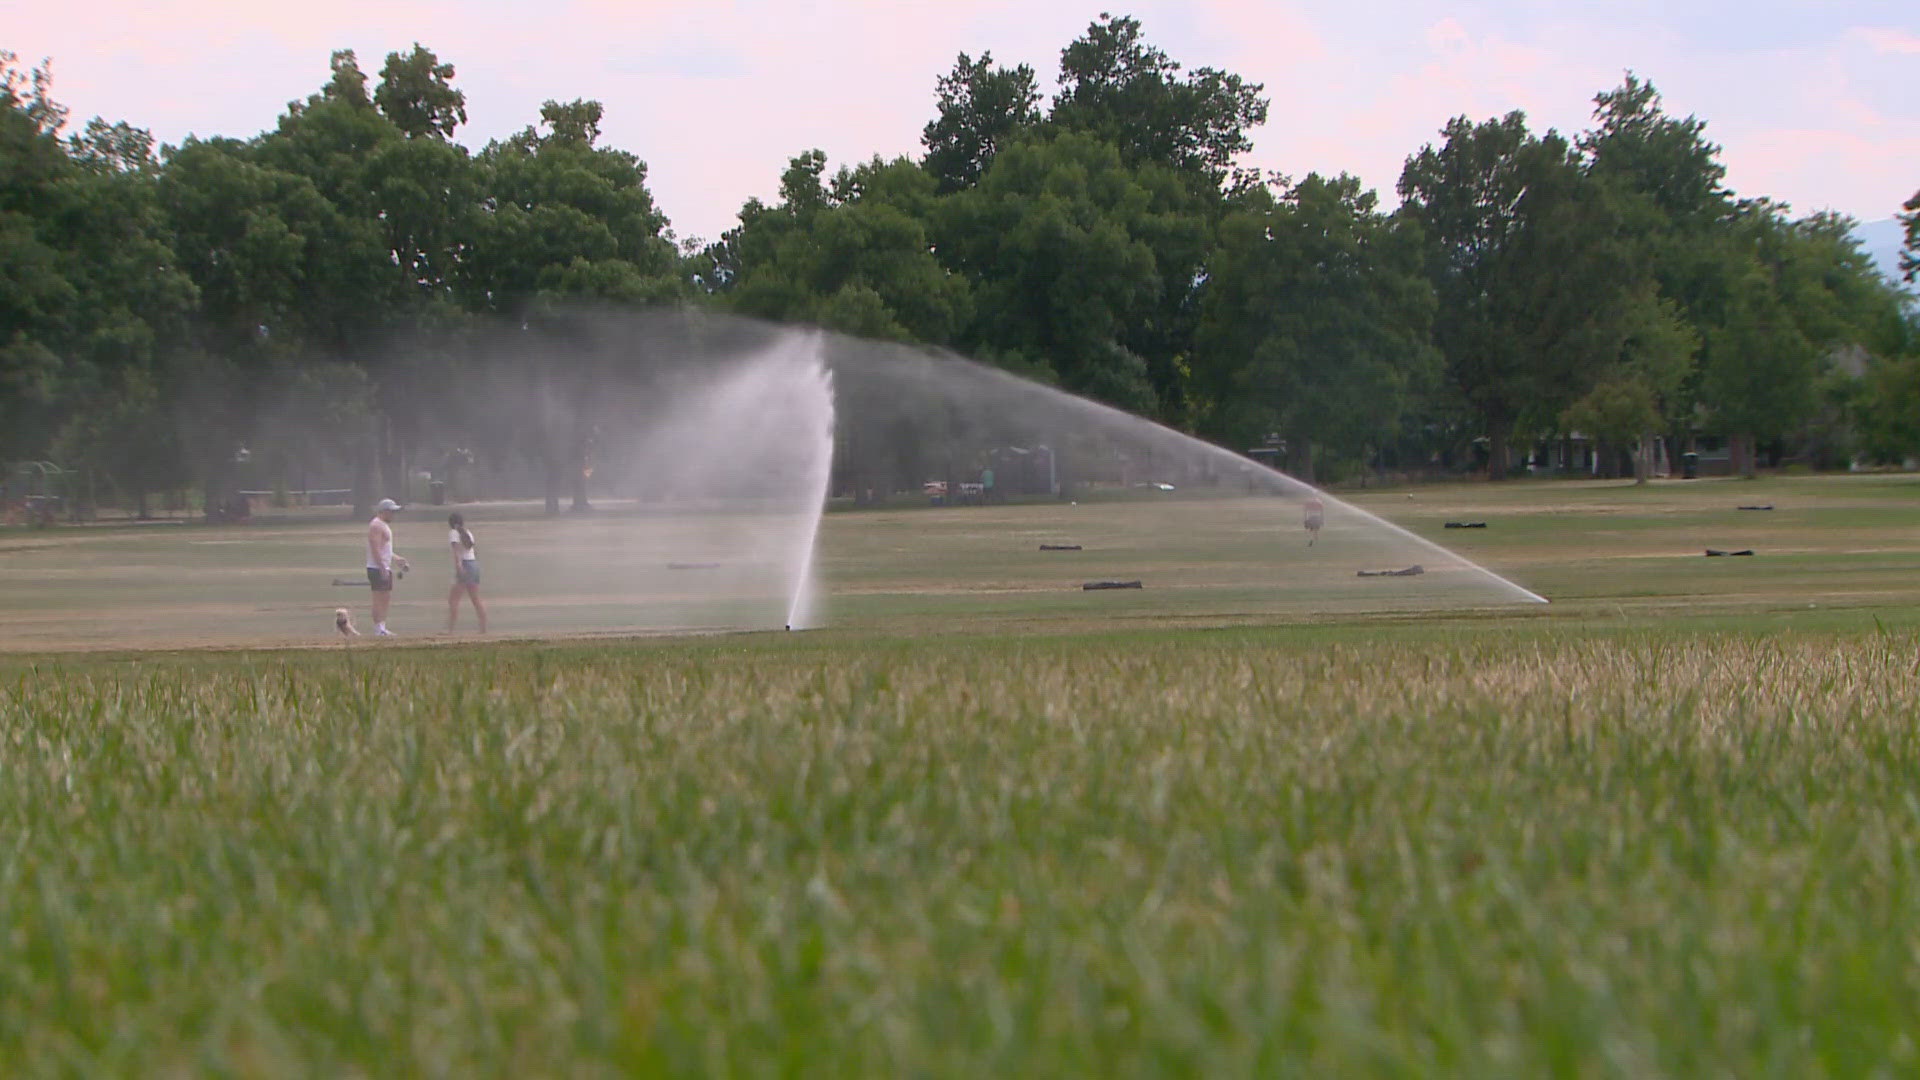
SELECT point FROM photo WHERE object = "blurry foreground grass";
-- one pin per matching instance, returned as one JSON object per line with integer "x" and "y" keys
{"x": 1224, "y": 853}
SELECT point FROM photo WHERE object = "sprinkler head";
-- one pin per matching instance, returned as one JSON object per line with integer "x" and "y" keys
{"x": 789, "y": 626}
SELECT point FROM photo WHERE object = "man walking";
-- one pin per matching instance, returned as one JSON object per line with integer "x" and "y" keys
{"x": 380, "y": 563}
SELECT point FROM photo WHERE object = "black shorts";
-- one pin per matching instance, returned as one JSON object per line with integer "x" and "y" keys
{"x": 381, "y": 580}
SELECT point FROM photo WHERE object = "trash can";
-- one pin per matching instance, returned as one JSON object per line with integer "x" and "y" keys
{"x": 437, "y": 492}
{"x": 1689, "y": 466}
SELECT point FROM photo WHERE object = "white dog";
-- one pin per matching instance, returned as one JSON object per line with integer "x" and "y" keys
{"x": 343, "y": 622}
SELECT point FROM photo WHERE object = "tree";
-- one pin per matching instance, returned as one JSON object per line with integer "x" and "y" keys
{"x": 563, "y": 219}
{"x": 1910, "y": 252}
{"x": 405, "y": 202}
{"x": 1796, "y": 291}
{"x": 1638, "y": 147}
{"x": 428, "y": 192}
{"x": 348, "y": 84}
{"x": 30, "y": 94}
{"x": 1632, "y": 390}
{"x": 424, "y": 187}
{"x": 88, "y": 280}
{"x": 316, "y": 241}
{"x": 38, "y": 303}
{"x": 112, "y": 148}
{"x": 249, "y": 235}
{"x": 1885, "y": 405}
{"x": 1072, "y": 254}
{"x": 416, "y": 93}
{"x": 981, "y": 108}
{"x": 361, "y": 276}
{"x": 125, "y": 436}
{"x": 852, "y": 255}
{"x": 1115, "y": 86}
{"x": 1528, "y": 263}
{"x": 762, "y": 229}
{"x": 1316, "y": 322}
{"x": 1667, "y": 180}
{"x": 322, "y": 413}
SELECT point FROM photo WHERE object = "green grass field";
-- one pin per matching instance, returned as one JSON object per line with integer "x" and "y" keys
{"x": 1666, "y": 826}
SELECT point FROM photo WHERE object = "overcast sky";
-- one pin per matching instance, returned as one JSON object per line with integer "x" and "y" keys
{"x": 1816, "y": 103}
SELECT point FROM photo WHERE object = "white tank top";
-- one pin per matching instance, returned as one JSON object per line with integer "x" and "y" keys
{"x": 379, "y": 545}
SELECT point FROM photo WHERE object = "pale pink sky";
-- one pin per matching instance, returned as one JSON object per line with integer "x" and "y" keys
{"x": 1816, "y": 103}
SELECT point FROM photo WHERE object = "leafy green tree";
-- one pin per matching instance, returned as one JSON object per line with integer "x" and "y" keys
{"x": 1888, "y": 410}
{"x": 1072, "y": 254}
{"x": 323, "y": 413}
{"x": 426, "y": 187}
{"x": 1669, "y": 184}
{"x": 137, "y": 301}
{"x": 30, "y": 94}
{"x": 1616, "y": 411}
{"x": 126, "y": 437}
{"x": 852, "y": 255}
{"x": 1910, "y": 252}
{"x": 561, "y": 217}
{"x": 254, "y": 239}
{"x": 1528, "y": 263}
{"x": 762, "y": 230}
{"x": 1797, "y": 291}
{"x": 409, "y": 206}
{"x": 405, "y": 196}
{"x": 1316, "y": 322}
{"x": 362, "y": 278}
{"x": 88, "y": 281}
{"x": 417, "y": 95}
{"x": 981, "y": 107}
{"x": 38, "y": 303}
{"x": 1630, "y": 390}
{"x": 429, "y": 196}
{"x": 1115, "y": 86}
{"x": 1885, "y": 402}
{"x": 316, "y": 240}
{"x": 1636, "y": 145}
{"x": 113, "y": 148}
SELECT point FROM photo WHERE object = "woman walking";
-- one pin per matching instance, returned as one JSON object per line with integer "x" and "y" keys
{"x": 466, "y": 572}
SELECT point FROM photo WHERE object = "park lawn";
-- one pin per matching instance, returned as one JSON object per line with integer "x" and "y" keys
{"x": 1663, "y": 826}
{"x": 1592, "y": 547}
{"x": 1382, "y": 847}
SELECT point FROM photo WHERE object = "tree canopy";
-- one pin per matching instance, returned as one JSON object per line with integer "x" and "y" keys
{"x": 161, "y": 306}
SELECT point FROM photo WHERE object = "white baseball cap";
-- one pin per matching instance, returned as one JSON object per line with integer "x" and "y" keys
{"x": 387, "y": 504}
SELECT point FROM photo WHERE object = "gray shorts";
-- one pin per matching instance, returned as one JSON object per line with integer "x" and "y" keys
{"x": 468, "y": 574}
{"x": 381, "y": 580}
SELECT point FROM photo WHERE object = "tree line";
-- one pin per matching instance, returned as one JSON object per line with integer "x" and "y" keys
{"x": 163, "y": 309}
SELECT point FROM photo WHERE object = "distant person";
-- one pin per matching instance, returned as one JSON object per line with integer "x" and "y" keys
{"x": 380, "y": 563}
{"x": 986, "y": 486}
{"x": 1316, "y": 517}
{"x": 466, "y": 572}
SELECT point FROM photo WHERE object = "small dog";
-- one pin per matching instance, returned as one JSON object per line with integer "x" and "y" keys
{"x": 343, "y": 622}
